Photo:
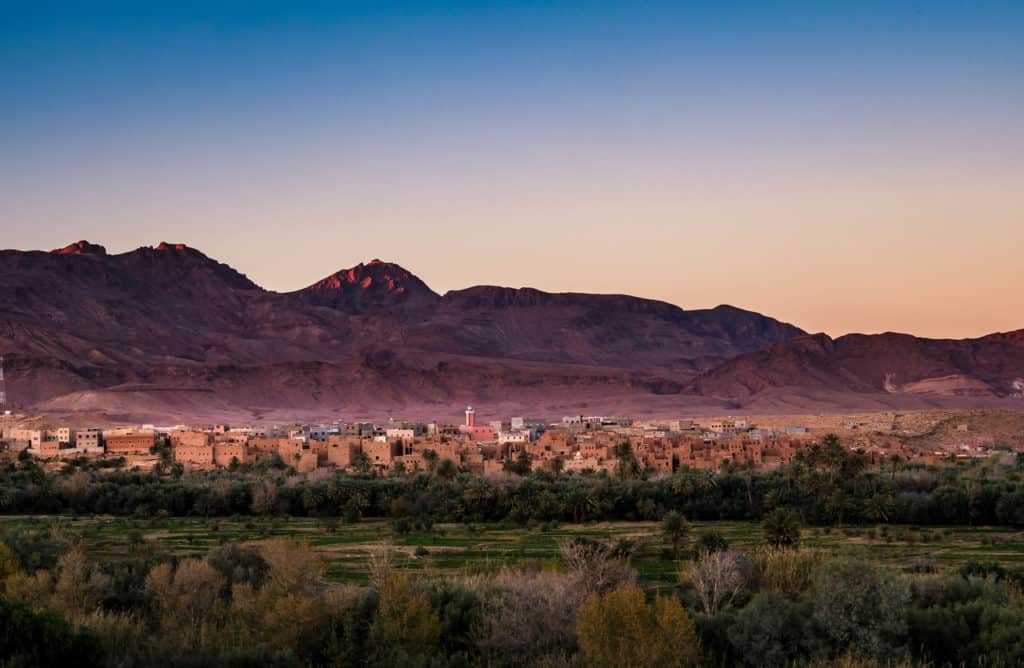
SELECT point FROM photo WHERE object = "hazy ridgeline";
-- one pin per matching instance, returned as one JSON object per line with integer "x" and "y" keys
{"x": 779, "y": 602}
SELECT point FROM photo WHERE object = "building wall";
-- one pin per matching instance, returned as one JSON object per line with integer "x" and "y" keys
{"x": 138, "y": 443}
{"x": 290, "y": 451}
{"x": 307, "y": 462}
{"x": 30, "y": 438}
{"x": 478, "y": 432}
{"x": 198, "y": 455}
{"x": 190, "y": 438}
{"x": 403, "y": 434}
{"x": 341, "y": 450}
{"x": 88, "y": 439}
{"x": 224, "y": 453}
{"x": 381, "y": 454}
{"x": 48, "y": 449}
{"x": 261, "y": 447}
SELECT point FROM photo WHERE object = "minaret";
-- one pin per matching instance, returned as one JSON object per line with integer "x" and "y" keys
{"x": 3, "y": 388}
{"x": 470, "y": 417}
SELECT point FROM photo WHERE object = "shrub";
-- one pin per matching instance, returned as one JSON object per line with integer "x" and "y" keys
{"x": 717, "y": 578}
{"x": 711, "y": 541}
{"x": 30, "y": 638}
{"x": 862, "y": 608}
{"x": 292, "y": 566}
{"x": 621, "y": 629}
{"x": 775, "y": 630}
{"x": 185, "y": 597}
{"x": 405, "y": 621}
{"x": 239, "y": 564}
{"x": 527, "y": 616}
{"x": 787, "y": 571}
{"x": 600, "y": 567}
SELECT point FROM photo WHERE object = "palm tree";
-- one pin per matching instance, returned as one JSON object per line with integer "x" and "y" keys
{"x": 894, "y": 460}
{"x": 447, "y": 469}
{"x": 877, "y": 506}
{"x": 676, "y": 528}
{"x": 781, "y": 528}
{"x": 583, "y": 503}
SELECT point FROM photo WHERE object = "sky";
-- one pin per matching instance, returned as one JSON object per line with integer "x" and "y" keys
{"x": 844, "y": 166}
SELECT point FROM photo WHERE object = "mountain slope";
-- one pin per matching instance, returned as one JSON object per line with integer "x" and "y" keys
{"x": 155, "y": 330}
{"x": 166, "y": 332}
{"x": 888, "y": 367}
{"x": 605, "y": 330}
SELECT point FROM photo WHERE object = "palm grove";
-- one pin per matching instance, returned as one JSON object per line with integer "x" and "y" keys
{"x": 270, "y": 603}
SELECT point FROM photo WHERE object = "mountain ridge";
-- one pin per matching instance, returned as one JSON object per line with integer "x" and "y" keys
{"x": 82, "y": 327}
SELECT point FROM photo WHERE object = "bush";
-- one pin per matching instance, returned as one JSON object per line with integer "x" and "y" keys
{"x": 405, "y": 622}
{"x": 965, "y": 621}
{"x": 711, "y": 541}
{"x": 862, "y": 608}
{"x": 983, "y": 570}
{"x": 620, "y": 629}
{"x": 30, "y": 638}
{"x": 601, "y": 567}
{"x": 36, "y": 550}
{"x": 460, "y": 611}
{"x": 787, "y": 571}
{"x": 774, "y": 630}
{"x": 717, "y": 578}
{"x": 239, "y": 564}
{"x": 527, "y": 616}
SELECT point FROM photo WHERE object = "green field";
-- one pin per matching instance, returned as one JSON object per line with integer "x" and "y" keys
{"x": 453, "y": 549}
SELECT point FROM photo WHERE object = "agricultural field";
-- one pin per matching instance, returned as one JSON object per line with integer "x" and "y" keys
{"x": 453, "y": 549}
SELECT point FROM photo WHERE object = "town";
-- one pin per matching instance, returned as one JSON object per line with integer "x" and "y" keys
{"x": 574, "y": 444}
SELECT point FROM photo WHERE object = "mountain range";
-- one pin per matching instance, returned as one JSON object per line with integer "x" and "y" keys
{"x": 165, "y": 333}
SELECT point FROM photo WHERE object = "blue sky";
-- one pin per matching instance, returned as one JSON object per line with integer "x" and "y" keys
{"x": 845, "y": 166}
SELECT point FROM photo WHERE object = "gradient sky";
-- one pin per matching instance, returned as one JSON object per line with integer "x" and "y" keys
{"x": 845, "y": 166}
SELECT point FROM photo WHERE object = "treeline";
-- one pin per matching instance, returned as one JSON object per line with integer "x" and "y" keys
{"x": 826, "y": 484}
{"x": 269, "y": 605}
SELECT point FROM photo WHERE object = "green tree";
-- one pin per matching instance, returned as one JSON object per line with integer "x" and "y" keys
{"x": 862, "y": 608}
{"x": 711, "y": 541}
{"x": 521, "y": 465}
{"x": 775, "y": 630}
{"x": 626, "y": 465}
{"x": 446, "y": 469}
{"x": 30, "y": 638}
{"x": 583, "y": 502}
{"x": 781, "y": 528}
{"x": 361, "y": 464}
{"x": 675, "y": 528}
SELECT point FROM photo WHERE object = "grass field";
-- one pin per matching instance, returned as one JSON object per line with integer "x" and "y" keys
{"x": 451, "y": 549}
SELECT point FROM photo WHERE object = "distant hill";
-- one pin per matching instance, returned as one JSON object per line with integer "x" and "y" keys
{"x": 885, "y": 369}
{"x": 167, "y": 333}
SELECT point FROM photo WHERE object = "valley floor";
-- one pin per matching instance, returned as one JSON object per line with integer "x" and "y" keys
{"x": 486, "y": 548}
